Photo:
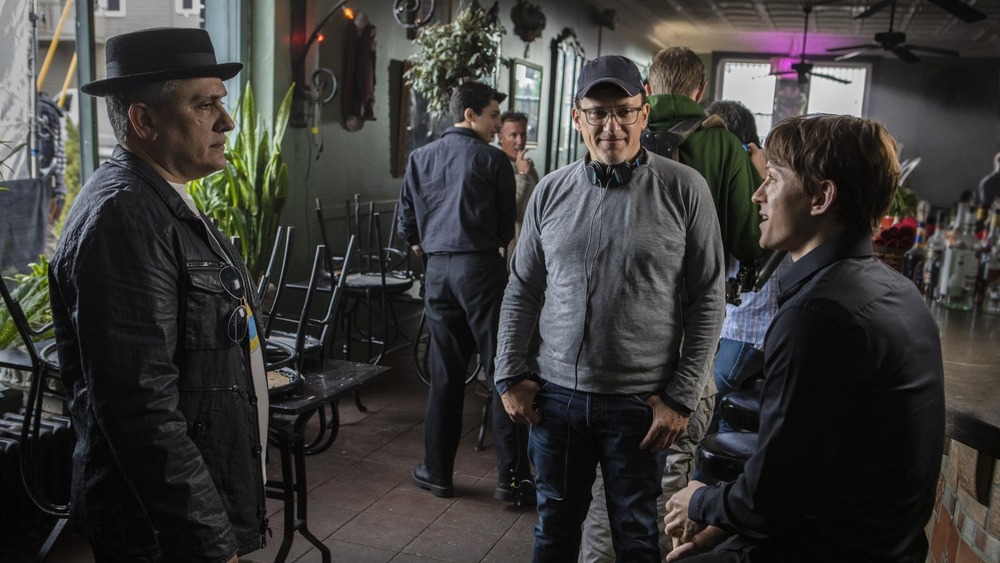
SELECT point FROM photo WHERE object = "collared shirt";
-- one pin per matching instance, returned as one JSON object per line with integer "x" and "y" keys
{"x": 457, "y": 195}
{"x": 748, "y": 321}
{"x": 852, "y": 418}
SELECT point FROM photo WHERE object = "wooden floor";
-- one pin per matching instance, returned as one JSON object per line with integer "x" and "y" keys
{"x": 362, "y": 503}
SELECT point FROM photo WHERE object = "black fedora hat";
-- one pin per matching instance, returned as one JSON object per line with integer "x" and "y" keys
{"x": 152, "y": 55}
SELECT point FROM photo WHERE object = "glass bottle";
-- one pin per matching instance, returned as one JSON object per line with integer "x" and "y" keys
{"x": 981, "y": 223}
{"x": 933, "y": 254}
{"x": 990, "y": 261}
{"x": 913, "y": 260}
{"x": 959, "y": 265}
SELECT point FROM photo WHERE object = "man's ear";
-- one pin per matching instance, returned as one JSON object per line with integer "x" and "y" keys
{"x": 141, "y": 120}
{"x": 822, "y": 202}
{"x": 700, "y": 92}
{"x": 576, "y": 115}
{"x": 469, "y": 115}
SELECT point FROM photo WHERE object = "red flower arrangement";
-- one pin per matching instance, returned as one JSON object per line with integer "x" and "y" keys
{"x": 899, "y": 236}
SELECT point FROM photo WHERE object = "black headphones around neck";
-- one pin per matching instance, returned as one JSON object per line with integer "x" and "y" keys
{"x": 612, "y": 175}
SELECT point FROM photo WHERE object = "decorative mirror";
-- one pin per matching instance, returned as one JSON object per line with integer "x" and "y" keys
{"x": 563, "y": 140}
{"x": 526, "y": 94}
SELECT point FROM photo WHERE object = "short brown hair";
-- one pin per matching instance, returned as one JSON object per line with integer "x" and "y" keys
{"x": 857, "y": 154}
{"x": 676, "y": 70}
{"x": 511, "y": 115}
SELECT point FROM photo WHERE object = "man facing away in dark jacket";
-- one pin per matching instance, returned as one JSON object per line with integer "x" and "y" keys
{"x": 154, "y": 321}
{"x": 457, "y": 207}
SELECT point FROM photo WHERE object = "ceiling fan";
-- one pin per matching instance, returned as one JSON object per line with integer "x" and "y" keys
{"x": 964, "y": 12}
{"x": 895, "y": 41}
{"x": 802, "y": 69}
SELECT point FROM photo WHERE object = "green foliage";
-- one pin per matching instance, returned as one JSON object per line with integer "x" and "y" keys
{"x": 72, "y": 175}
{"x": 450, "y": 54}
{"x": 904, "y": 203}
{"x": 32, "y": 292}
{"x": 247, "y": 196}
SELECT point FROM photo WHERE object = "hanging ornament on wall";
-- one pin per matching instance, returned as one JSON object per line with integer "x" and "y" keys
{"x": 529, "y": 21}
{"x": 412, "y": 14}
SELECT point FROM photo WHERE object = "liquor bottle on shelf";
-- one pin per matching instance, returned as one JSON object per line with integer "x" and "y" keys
{"x": 981, "y": 221}
{"x": 933, "y": 254}
{"x": 913, "y": 260}
{"x": 959, "y": 265}
{"x": 990, "y": 265}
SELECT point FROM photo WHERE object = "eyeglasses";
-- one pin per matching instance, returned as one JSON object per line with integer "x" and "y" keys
{"x": 600, "y": 116}
{"x": 232, "y": 282}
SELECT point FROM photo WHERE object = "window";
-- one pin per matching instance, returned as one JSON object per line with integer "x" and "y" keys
{"x": 749, "y": 82}
{"x": 111, "y": 8}
{"x": 189, "y": 7}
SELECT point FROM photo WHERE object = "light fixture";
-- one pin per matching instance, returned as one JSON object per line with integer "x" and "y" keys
{"x": 300, "y": 50}
{"x": 410, "y": 13}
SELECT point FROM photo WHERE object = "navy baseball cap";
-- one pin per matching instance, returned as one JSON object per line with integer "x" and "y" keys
{"x": 609, "y": 69}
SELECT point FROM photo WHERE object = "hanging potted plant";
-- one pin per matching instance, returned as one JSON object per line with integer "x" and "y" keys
{"x": 247, "y": 196}
{"x": 450, "y": 54}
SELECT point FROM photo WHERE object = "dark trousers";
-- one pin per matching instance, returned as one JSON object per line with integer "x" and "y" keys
{"x": 462, "y": 298}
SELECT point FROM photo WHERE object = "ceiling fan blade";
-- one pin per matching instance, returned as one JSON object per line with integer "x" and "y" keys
{"x": 781, "y": 73}
{"x": 851, "y": 55}
{"x": 829, "y": 77}
{"x": 853, "y": 48}
{"x": 877, "y": 7}
{"x": 935, "y": 50}
{"x": 904, "y": 53}
{"x": 964, "y": 12}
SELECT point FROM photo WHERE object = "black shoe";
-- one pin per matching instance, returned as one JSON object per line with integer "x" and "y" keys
{"x": 523, "y": 495}
{"x": 438, "y": 487}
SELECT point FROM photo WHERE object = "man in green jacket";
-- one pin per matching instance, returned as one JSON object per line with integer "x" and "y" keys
{"x": 677, "y": 84}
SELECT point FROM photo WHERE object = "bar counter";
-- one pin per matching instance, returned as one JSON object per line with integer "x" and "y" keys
{"x": 965, "y": 525}
{"x": 970, "y": 343}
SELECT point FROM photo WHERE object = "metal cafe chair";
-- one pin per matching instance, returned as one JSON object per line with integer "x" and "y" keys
{"x": 35, "y": 359}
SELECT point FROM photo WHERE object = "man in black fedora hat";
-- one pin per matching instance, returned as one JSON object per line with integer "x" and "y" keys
{"x": 155, "y": 325}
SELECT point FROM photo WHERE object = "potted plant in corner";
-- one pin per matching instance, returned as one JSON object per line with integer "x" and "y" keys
{"x": 247, "y": 196}
{"x": 450, "y": 54}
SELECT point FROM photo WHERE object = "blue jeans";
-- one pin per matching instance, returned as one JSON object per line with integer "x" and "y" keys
{"x": 735, "y": 363}
{"x": 577, "y": 432}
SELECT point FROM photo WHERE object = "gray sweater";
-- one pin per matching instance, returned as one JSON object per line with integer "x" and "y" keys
{"x": 624, "y": 283}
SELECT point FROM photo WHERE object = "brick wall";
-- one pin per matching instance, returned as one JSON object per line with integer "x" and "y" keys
{"x": 963, "y": 528}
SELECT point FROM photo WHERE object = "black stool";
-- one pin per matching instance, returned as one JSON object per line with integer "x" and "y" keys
{"x": 741, "y": 409}
{"x": 721, "y": 456}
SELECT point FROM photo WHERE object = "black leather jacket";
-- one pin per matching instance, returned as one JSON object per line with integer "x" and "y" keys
{"x": 167, "y": 460}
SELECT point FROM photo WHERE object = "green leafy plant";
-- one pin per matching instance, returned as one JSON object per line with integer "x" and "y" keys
{"x": 450, "y": 54}
{"x": 72, "y": 175}
{"x": 32, "y": 292}
{"x": 904, "y": 203}
{"x": 247, "y": 196}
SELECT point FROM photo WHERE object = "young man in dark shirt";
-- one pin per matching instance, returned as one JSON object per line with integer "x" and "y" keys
{"x": 457, "y": 206}
{"x": 852, "y": 408}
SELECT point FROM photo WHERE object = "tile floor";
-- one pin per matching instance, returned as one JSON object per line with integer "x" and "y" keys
{"x": 362, "y": 502}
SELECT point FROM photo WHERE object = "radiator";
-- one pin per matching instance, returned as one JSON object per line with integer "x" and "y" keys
{"x": 20, "y": 519}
